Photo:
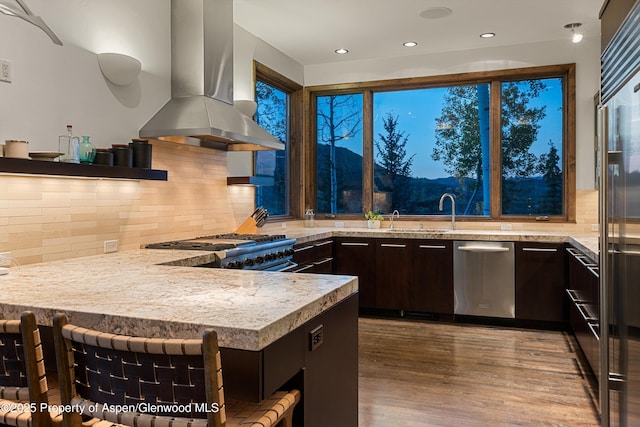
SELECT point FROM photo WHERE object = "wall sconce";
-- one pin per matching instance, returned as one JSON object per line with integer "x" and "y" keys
{"x": 246, "y": 107}
{"x": 28, "y": 16}
{"x": 577, "y": 37}
{"x": 119, "y": 69}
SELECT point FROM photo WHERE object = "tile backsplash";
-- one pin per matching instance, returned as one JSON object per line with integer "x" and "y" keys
{"x": 46, "y": 218}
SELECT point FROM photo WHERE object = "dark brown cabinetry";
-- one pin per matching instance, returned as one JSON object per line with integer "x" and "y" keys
{"x": 432, "y": 287}
{"x": 326, "y": 372}
{"x": 399, "y": 274}
{"x": 314, "y": 257}
{"x": 584, "y": 304}
{"x": 356, "y": 257}
{"x": 394, "y": 275}
{"x": 540, "y": 282}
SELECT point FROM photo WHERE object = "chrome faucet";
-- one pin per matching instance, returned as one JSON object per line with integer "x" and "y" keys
{"x": 392, "y": 215}
{"x": 453, "y": 208}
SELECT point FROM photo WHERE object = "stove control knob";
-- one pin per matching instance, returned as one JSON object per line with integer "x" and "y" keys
{"x": 268, "y": 257}
{"x": 236, "y": 264}
{"x": 279, "y": 254}
{"x": 258, "y": 259}
{"x": 289, "y": 252}
{"x": 248, "y": 262}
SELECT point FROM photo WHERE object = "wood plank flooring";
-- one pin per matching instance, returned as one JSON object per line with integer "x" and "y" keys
{"x": 415, "y": 373}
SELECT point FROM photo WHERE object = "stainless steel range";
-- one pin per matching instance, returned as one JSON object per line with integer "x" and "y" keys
{"x": 240, "y": 251}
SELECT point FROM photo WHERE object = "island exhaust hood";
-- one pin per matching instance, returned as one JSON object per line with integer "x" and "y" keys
{"x": 200, "y": 111}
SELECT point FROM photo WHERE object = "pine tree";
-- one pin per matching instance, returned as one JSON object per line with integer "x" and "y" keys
{"x": 392, "y": 155}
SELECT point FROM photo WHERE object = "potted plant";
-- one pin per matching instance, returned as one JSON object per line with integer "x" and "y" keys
{"x": 373, "y": 219}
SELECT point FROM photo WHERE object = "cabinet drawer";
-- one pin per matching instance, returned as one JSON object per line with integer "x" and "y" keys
{"x": 312, "y": 251}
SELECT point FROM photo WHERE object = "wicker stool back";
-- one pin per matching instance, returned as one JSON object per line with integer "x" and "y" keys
{"x": 142, "y": 382}
{"x": 23, "y": 380}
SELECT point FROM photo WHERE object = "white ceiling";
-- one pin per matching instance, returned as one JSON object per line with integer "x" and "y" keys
{"x": 310, "y": 30}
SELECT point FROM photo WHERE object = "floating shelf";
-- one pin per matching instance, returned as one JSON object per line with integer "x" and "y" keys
{"x": 39, "y": 167}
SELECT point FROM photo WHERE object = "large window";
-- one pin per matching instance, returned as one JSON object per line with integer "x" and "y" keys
{"x": 273, "y": 115}
{"x": 500, "y": 142}
{"x": 339, "y": 154}
{"x": 274, "y": 95}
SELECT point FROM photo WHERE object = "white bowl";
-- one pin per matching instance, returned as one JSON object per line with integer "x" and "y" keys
{"x": 16, "y": 149}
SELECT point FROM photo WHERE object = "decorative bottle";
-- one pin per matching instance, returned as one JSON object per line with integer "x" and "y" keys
{"x": 309, "y": 218}
{"x": 87, "y": 150}
{"x": 69, "y": 145}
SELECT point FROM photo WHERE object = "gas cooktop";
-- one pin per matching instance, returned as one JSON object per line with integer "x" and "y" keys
{"x": 218, "y": 242}
{"x": 240, "y": 251}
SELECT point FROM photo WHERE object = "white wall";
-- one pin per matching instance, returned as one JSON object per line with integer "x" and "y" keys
{"x": 53, "y": 86}
{"x": 58, "y": 85}
{"x": 585, "y": 55}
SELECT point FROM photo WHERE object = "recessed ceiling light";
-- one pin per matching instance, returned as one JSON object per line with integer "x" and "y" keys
{"x": 576, "y": 36}
{"x": 410, "y": 44}
{"x": 341, "y": 51}
{"x": 435, "y": 12}
{"x": 487, "y": 35}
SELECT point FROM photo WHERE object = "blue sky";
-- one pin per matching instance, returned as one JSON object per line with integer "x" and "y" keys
{"x": 418, "y": 109}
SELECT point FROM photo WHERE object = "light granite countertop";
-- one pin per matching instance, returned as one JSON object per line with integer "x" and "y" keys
{"x": 586, "y": 243}
{"x": 131, "y": 293}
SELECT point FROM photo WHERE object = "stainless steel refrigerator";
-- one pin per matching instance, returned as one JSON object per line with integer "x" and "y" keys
{"x": 619, "y": 144}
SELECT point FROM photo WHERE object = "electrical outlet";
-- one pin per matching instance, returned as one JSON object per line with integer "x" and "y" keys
{"x": 110, "y": 246}
{"x": 595, "y": 227}
{"x": 316, "y": 338}
{"x": 5, "y": 259}
{"x": 505, "y": 227}
{"x": 339, "y": 224}
{"x": 5, "y": 71}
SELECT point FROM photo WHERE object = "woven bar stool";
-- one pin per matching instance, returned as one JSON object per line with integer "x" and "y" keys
{"x": 152, "y": 382}
{"x": 23, "y": 380}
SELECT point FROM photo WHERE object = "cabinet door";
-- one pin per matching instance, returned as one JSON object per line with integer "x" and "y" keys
{"x": 356, "y": 257}
{"x": 540, "y": 282}
{"x": 432, "y": 287}
{"x": 393, "y": 274}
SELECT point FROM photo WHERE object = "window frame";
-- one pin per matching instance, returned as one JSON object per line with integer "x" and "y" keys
{"x": 494, "y": 79}
{"x": 294, "y": 92}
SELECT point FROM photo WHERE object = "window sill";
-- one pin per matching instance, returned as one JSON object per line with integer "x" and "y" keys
{"x": 38, "y": 167}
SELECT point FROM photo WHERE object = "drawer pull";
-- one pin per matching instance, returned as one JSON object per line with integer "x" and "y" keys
{"x": 539, "y": 250}
{"x": 573, "y": 297}
{"x": 328, "y": 242}
{"x": 391, "y": 245}
{"x": 304, "y": 248}
{"x": 584, "y": 315}
{"x": 432, "y": 247}
{"x": 354, "y": 244}
{"x": 323, "y": 261}
{"x": 306, "y": 267}
{"x": 592, "y": 327}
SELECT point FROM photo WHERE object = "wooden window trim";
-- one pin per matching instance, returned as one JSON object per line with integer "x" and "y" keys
{"x": 294, "y": 91}
{"x": 494, "y": 77}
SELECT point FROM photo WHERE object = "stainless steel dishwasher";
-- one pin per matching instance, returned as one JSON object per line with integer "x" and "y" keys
{"x": 484, "y": 278}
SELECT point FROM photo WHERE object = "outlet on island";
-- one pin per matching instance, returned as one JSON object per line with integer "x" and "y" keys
{"x": 316, "y": 337}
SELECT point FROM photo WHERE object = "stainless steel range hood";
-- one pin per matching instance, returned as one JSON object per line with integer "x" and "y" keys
{"x": 201, "y": 110}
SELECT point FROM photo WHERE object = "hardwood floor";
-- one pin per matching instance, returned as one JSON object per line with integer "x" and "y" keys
{"x": 415, "y": 373}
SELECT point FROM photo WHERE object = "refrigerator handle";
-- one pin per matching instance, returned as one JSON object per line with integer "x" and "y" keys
{"x": 603, "y": 140}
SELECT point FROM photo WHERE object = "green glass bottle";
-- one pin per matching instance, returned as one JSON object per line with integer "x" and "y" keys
{"x": 87, "y": 150}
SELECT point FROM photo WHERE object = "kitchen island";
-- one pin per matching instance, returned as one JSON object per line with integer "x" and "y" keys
{"x": 275, "y": 329}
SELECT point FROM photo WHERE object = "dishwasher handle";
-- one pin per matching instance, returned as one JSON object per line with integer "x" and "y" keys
{"x": 476, "y": 248}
